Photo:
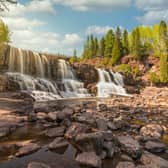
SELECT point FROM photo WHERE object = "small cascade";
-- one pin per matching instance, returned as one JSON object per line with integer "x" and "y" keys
{"x": 71, "y": 86}
{"x": 106, "y": 87}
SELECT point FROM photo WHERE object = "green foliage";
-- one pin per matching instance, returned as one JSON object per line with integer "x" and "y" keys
{"x": 136, "y": 45}
{"x": 125, "y": 68}
{"x": 154, "y": 78}
{"x": 136, "y": 71}
{"x": 4, "y": 32}
{"x": 74, "y": 58}
{"x": 117, "y": 47}
{"x": 164, "y": 68}
{"x": 109, "y": 40}
{"x": 102, "y": 47}
{"x": 125, "y": 43}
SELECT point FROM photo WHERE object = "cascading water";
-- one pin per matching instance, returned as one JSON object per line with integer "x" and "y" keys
{"x": 106, "y": 87}
{"x": 31, "y": 71}
{"x": 71, "y": 86}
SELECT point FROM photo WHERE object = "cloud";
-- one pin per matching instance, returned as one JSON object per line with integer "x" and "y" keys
{"x": 151, "y": 17}
{"x": 155, "y": 10}
{"x": 99, "y": 30}
{"x": 72, "y": 39}
{"x": 87, "y": 5}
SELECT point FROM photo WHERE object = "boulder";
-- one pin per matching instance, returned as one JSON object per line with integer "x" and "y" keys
{"x": 109, "y": 148}
{"x": 89, "y": 142}
{"x": 56, "y": 132}
{"x": 41, "y": 116}
{"x": 125, "y": 165}
{"x": 58, "y": 143}
{"x": 65, "y": 113}
{"x": 130, "y": 146}
{"x": 102, "y": 124}
{"x": 75, "y": 129}
{"x": 89, "y": 159}
{"x": 154, "y": 131}
{"x": 155, "y": 147}
{"x": 52, "y": 116}
{"x": 28, "y": 149}
{"x": 37, "y": 165}
{"x": 152, "y": 161}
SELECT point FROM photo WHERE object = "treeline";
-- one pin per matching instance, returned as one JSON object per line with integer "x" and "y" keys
{"x": 140, "y": 43}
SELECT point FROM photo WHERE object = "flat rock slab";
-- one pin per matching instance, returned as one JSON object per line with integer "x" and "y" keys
{"x": 37, "y": 165}
{"x": 89, "y": 159}
{"x": 28, "y": 149}
{"x": 155, "y": 147}
{"x": 56, "y": 132}
{"x": 152, "y": 161}
{"x": 58, "y": 143}
{"x": 125, "y": 165}
{"x": 130, "y": 146}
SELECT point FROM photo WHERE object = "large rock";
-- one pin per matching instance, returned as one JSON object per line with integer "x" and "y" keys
{"x": 75, "y": 129}
{"x": 102, "y": 124}
{"x": 58, "y": 143}
{"x": 89, "y": 159}
{"x": 155, "y": 147}
{"x": 152, "y": 131}
{"x": 125, "y": 165}
{"x": 130, "y": 146}
{"x": 89, "y": 142}
{"x": 109, "y": 148}
{"x": 28, "y": 149}
{"x": 37, "y": 165}
{"x": 153, "y": 161}
{"x": 87, "y": 73}
{"x": 56, "y": 132}
{"x": 65, "y": 113}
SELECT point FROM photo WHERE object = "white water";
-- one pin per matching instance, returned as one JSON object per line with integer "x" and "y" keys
{"x": 106, "y": 87}
{"x": 31, "y": 71}
{"x": 72, "y": 87}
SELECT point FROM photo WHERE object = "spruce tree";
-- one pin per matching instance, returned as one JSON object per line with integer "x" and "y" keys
{"x": 102, "y": 47}
{"x": 96, "y": 47}
{"x": 163, "y": 40}
{"x": 116, "y": 51}
{"x": 125, "y": 43}
{"x": 109, "y": 40}
{"x": 136, "y": 43}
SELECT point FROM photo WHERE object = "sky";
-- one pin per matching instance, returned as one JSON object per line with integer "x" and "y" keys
{"x": 59, "y": 26}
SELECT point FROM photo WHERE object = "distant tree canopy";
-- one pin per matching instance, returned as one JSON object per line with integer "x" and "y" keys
{"x": 141, "y": 42}
{"x": 4, "y": 4}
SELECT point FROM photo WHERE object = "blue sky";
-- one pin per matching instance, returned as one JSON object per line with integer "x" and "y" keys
{"x": 61, "y": 25}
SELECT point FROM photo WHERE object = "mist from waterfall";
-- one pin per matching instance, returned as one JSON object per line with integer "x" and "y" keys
{"x": 106, "y": 86}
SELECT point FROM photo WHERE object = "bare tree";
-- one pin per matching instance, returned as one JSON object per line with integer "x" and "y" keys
{"x": 4, "y": 4}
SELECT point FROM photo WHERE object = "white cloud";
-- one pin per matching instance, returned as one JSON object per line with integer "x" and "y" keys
{"x": 155, "y": 10}
{"x": 151, "y": 4}
{"x": 72, "y": 39}
{"x": 151, "y": 17}
{"x": 86, "y": 5}
{"x": 99, "y": 30}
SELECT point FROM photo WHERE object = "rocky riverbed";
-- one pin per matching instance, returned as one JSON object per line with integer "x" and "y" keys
{"x": 121, "y": 132}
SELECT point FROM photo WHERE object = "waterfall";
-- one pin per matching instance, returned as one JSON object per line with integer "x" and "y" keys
{"x": 72, "y": 87}
{"x": 39, "y": 76}
{"x": 106, "y": 87}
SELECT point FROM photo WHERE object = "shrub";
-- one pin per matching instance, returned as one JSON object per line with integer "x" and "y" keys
{"x": 154, "y": 78}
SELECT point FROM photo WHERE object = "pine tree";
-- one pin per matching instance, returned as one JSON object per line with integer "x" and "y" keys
{"x": 85, "y": 54}
{"x": 116, "y": 52}
{"x": 102, "y": 47}
{"x": 96, "y": 47}
{"x": 125, "y": 43}
{"x": 136, "y": 43}
{"x": 74, "y": 57}
{"x": 163, "y": 39}
{"x": 109, "y": 40}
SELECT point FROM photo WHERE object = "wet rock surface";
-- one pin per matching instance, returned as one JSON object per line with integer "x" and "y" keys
{"x": 119, "y": 129}
{"x": 37, "y": 165}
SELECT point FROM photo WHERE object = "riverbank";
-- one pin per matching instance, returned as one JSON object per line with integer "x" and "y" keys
{"x": 130, "y": 131}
